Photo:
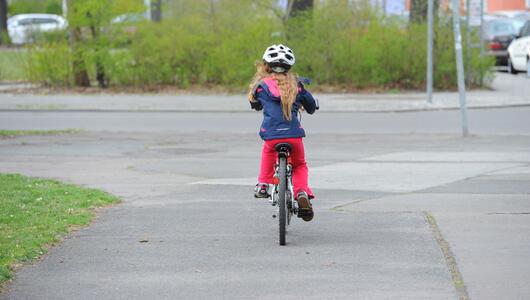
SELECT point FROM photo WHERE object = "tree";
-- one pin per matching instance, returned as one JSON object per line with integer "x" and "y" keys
{"x": 4, "y": 39}
{"x": 78, "y": 64}
{"x": 296, "y": 16}
{"x": 89, "y": 22}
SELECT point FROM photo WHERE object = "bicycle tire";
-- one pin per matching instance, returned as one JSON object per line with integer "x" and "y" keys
{"x": 282, "y": 205}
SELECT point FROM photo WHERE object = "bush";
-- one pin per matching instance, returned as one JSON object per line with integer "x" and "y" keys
{"x": 364, "y": 51}
{"x": 335, "y": 45}
{"x": 189, "y": 52}
{"x": 50, "y": 64}
{"x": 164, "y": 54}
{"x": 12, "y": 64}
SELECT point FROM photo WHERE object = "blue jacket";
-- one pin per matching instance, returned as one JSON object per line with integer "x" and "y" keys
{"x": 274, "y": 126}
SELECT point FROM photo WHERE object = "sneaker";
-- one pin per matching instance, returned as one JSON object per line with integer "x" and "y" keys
{"x": 261, "y": 191}
{"x": 305, "y": 209}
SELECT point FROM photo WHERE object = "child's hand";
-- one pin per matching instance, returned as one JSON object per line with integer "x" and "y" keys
{"x": 256, "y": 105}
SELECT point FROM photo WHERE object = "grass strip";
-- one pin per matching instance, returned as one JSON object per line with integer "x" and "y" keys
{"x": 36, "y": 213}
{"x": 14, "y": 133}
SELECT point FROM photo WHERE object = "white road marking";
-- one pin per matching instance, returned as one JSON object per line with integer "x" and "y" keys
{"x": 397, "y": 177}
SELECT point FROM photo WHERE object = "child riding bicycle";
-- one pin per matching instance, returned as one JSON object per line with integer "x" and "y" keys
{"x": 281, "y": 95}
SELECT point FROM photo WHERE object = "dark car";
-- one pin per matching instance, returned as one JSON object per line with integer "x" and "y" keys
{"x": 519, "y": 17}
{"x": 498, "y": 34}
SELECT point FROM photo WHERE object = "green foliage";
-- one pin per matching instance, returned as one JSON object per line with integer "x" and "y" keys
{"x": 363, "y": 51}
{"x": 4, "y": 38}
{"x": 217, "y": 42}
{"x": 100, "y": 13}
{"x": 12, "y": 65}
{"x": 50, "y": 64}
{"x": 35, "y": 213}
{"x": 197, "y": 47}
{"x": 35, "y": 6}
{"x": 54, "y": 7}
{"x": 157, "y": 54}
{"x": 51, "y": 58}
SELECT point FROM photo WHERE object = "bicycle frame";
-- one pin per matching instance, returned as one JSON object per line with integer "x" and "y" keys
{"x": 274, "y": 191}
{"x": 292, "y": 205}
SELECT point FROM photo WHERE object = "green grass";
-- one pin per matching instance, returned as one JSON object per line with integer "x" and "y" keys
{"x": 35, "y": 213}
{"x": 13, "y": 133}
{"x": 12, "y": 64}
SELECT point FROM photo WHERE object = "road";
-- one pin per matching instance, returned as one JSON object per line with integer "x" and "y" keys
{"x": 481, "y": 121}
{"x": 427, "y": 215}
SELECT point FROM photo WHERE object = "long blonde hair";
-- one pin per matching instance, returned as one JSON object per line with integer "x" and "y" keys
{"x": 287, "y": 84}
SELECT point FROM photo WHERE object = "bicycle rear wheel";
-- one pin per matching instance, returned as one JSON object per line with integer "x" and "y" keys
{"x": 282, "y": 205}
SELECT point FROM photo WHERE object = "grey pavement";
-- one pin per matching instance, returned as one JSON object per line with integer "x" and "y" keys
{"x": 185, "y": 166}
{"x": 187, "y": 190}
{"x": 511, "y": 120}
{"x": 507, "y": 90}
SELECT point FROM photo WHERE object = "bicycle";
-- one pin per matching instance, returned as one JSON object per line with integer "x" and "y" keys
{"x": 282, "y": 194}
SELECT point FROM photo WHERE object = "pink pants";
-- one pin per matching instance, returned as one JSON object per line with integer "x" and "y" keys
{"x": 268, "y": 159}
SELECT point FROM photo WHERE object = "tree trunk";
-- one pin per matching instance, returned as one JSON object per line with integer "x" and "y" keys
{"x": 299, "y": 6}
{"x": 100, "y": 69}
{"x": 418, "y": 11}
{"x": 78, "y": 64}
{"x": 156, "y": 10}
{"x": 298, "y": 16}
{"x": 4, "y": 38}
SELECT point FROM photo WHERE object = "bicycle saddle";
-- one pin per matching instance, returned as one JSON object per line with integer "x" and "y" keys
{"x": 283, "y": 147}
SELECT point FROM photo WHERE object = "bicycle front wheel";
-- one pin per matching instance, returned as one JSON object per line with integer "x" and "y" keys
{"x": 282, "y": 204}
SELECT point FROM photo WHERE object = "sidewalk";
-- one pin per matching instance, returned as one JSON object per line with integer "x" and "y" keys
{"x": 509, "y": 90}
{"x": 396, "y": 217}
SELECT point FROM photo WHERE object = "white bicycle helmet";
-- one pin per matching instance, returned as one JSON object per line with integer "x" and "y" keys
{"x": 279, "y": 57}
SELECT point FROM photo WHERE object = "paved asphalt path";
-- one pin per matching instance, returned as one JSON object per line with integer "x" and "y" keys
{"x": 481, "y": 121}
{"x": 506, "y": 90}
{"x": 428, "y": 215}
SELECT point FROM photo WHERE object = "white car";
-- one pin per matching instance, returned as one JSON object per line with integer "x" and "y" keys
{"x": 519, "y": 51}
{"x": 23, "y": 28}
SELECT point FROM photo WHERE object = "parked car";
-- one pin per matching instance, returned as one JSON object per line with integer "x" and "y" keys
{"x": 130, "y": 18}
{"x": 498, "y": 33}
{"x": 519, "y": 17}
{"x": 129, "y": 22}
{"x": 23, "y": 29}
{"x": 519, "y": 51}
